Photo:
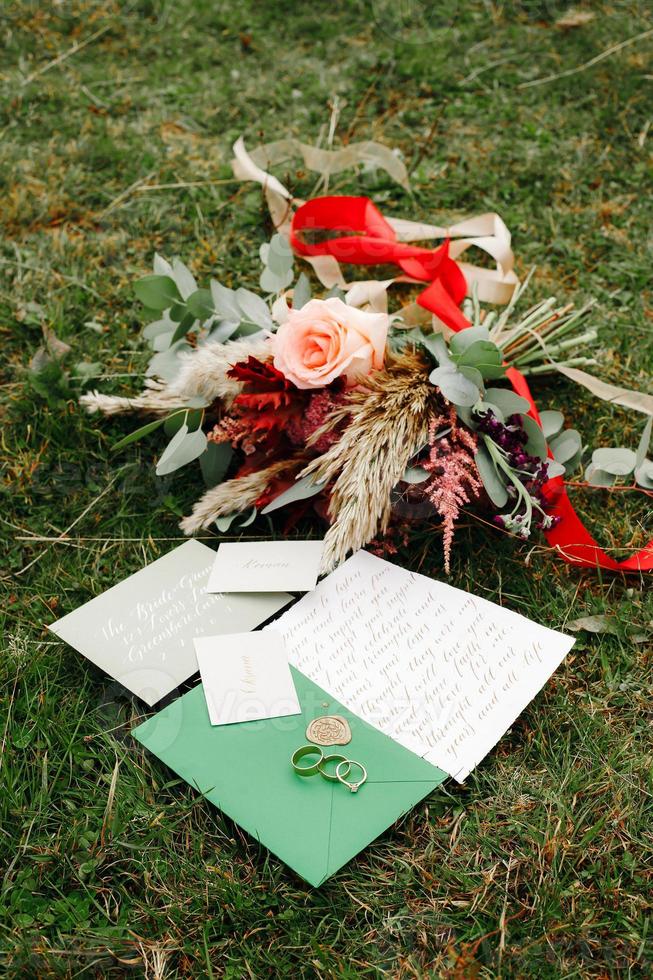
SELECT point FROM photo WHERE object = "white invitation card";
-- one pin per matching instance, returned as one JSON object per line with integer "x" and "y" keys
{"x": 141, "y": 631}
{"x": 246, "y": 677}
{"x": 265, "y": 566}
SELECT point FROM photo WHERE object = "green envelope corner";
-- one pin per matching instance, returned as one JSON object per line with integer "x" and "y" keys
{"x": 314, "y": 826}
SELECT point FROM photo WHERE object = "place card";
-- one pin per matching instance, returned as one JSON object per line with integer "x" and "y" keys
{"x": 264, "y": 566}
{"x": 141, "y": 631}
{"x": 443, "y": 672}
{"x": 246, "y": 677}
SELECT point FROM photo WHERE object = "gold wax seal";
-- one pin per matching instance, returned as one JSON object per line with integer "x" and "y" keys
{"x": 329, "y": 730}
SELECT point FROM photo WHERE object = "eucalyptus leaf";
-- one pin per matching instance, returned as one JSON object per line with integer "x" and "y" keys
{"x": 214, "y": 462}
{"x": 465, "y": 338}
{"x": 200, "y": 304}
{"x": 166, "y": 364}
{"x": 192, "y": 418}
{"x": 300, "y": 490}
{"x": 484, "y": 356}
{"x": 225, "y": 303}
{"x": 138, "y": 434}
{"x": 224, "y": 523}
{"x": 271, "y": 282}
{"x": 644, "y": 443}
{"x": 177, "y": 312}
{"x": 436, "y": 345}
{"x": 536, "y": 445}
{"x": 509, "y": 402}
{"x": 472, "y": 374}
{"x": 157, "y": 292}
{"x": 184, "y": 447}
{"x": 162, "y": 341}
{"x": 598, "y": 478}
{"x": 184, "y": 326}
{"x": 161, "y": 266}
{"x": 301, "y": 293}
{"x": 644, "y": 475}
{"x": 157, "y": 327}
{"x": 455, "y": 387}
{"x": 485, "y": 406}
{"x": 254, "y": 308}
{"x": 616, "y": 461}
{"x": 224, "y": 330}
{"x": 184, "y": 278}
{"x": 249, "y": 330}
{"x": 279, "y": 258}
{"x": 552, "y": 422}
{"x": 571, "y": 465}
{"x": 554, "y": 468}
{"x": 494, "y": 485}
{"x": 565, "y": 446}
{"x": 415, "y": 474}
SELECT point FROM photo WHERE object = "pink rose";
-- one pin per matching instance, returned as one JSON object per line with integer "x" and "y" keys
{"x": 326, "y": 339}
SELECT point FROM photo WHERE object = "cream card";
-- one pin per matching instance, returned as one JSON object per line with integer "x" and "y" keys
{"x": 141, "y": 631}
{"x": 264, "y": 566}
{"x": 246, "y": 677}
{"x": 443, "y": 672}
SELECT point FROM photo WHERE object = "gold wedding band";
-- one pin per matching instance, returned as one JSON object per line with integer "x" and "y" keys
{"x": 300, "y": 753}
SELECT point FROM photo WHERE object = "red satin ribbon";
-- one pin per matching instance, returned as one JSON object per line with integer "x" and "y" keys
{"x": 372, "y": 241}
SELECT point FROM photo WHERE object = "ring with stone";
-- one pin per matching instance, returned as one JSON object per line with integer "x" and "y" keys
{"x": 342, "y": 778}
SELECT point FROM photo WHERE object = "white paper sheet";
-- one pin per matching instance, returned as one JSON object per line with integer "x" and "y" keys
{"x": 266, "y": 566}
{"x": 246, "y": 677}
{"x": 443, "y": 672}
{"x": 141, "y": 631}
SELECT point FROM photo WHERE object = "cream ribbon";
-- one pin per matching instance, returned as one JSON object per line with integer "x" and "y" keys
{"x": 485, "y": 231}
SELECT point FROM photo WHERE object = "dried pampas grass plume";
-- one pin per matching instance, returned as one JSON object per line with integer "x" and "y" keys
{"x": 154, "y": 400}
{"x": 203, "y": 374}
{"x": 233, "y": 496}
{"x": 387, "y": 422}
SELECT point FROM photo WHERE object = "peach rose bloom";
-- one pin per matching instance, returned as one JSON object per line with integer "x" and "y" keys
{"x": 326, "y": 339}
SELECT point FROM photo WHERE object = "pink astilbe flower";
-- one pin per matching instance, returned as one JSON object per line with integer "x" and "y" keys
{"x": 320, "y": 406}
{"x": 237, "y": 431}
{"x": 455, "y": 477}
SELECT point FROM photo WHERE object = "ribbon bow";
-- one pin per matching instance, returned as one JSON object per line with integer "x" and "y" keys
{"x": 372, "y": 239}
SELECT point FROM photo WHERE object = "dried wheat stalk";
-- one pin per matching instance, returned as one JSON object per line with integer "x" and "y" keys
{"x": 234, "y": 496}
{"x": 387, "y": 422}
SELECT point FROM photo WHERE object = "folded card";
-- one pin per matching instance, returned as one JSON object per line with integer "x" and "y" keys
{"x": 264, "y": 566}
{"x": 246, "y": 677}
{"x": 313, "y": 825}
{"x": 440, "y": 670}
{"x": 141, "y": 631}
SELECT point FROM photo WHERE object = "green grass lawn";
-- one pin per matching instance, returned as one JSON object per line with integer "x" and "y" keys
{"x": 539, "y": 866}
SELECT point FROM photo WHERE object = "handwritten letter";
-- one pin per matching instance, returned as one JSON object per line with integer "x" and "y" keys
{"x": 443, "y": 672}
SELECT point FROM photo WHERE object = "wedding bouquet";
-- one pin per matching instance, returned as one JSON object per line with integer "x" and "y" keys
{"x": 372, "y": 417}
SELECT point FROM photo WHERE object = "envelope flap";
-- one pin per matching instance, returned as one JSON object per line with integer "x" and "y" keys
{"x": 313, "y": 825}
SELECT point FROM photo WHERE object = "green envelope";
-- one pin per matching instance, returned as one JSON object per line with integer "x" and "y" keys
{"x": 314, "y": 826}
